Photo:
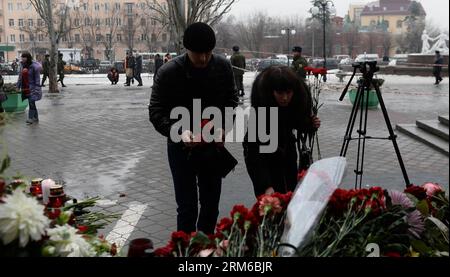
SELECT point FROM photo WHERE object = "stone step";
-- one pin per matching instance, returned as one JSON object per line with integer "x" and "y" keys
{"x": 431, "y": 140}
{"x": 443, "y": 119}
{"x": 434, "y": 127}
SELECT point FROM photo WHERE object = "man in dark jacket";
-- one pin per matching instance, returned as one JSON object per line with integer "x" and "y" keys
{"x": 439, "y": 61}
{"x": 138, "y": 70}
{"x": 45, "y": 69}
{"x": 158, "y": 63}
{"x": 238, "y": 62}
{"x": 60, "y": 68}
{"x": 197, "y": 75}
{"x": 299, "y": 63}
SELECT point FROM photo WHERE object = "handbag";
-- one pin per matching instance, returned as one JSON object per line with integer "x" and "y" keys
{"x": 211, "y": 159}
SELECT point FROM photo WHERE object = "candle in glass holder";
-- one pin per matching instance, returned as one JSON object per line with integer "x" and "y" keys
{"x": 36, "y": 187}
{"x": 57, "y": 197}
{"x": 46, "y": 185}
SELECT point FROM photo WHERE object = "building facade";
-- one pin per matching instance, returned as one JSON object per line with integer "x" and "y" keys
{"x": 390, "y": 13}
{"x": 101, "y": 29}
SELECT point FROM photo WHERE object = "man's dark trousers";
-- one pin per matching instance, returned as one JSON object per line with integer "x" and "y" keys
{"x": 186, "y": 181}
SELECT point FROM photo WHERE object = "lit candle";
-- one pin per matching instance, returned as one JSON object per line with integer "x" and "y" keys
{"x": 46, "y": 185}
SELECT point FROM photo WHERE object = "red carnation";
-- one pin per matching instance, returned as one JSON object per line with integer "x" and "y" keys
{"x": 393, "y": 255}
{"x": 418, "y": 192}
{"x": 224, "y": 225}
{"x": 180, "y": 237}
{"x": 82, "y": 229}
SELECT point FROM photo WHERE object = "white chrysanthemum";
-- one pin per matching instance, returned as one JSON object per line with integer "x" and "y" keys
{"x": 68, "y": 243}
{"x": 22, "y": 217}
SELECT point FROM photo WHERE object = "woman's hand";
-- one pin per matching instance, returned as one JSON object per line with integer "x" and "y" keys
{"x": 270, "y": 191}
{"x": 316, "y": 122}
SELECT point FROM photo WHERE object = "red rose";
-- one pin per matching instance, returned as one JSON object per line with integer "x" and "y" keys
{"x": 418, "y": 192}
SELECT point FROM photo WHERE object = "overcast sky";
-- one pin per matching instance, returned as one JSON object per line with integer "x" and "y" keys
{"x": 437, "y": 10}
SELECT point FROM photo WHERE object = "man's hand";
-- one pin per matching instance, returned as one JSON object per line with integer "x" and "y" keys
{"x": 188, "y": 138}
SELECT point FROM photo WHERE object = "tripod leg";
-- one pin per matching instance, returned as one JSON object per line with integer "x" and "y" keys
{"x": 351, "y": 122}
{"x": 392, "y": 135}
{"x": 363, "y": 133}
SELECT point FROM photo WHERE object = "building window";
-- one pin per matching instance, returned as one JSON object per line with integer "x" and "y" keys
{"x": 10, "y": 7}
{"x": 153, "y": 22}
{"x": 119, "y": 21}
{"x": 399, "y": 24}
{"x": 96, "y": 6}
{"x": 106, "y": 7}
{"x": 76, "y": 22}
{"x": 108, "y": 21}
{"x": 41, "y": 37}
{"x": 119, "y": 37}
{"x": 97, "y": 22}
{"x": 98, "y": 38}
{"x": 164, "y": 37}
{"x": 108, "y": 37}
{"x": 153, "y": 37}
{"x": 40, "y": 22}
{"x": 20, "y": 22}
{"x": 386, "y": 23}
{"x": 22, "y": 37}
{"x": 77, "y": 38}
{"x": 30, "y": 22}
{"x": 64, "y": 39}
{"x": 11, "y": 23}
{"x": 117, "y": 6}
{"x": 12, "y": 38}
{"x": 85, "y": 6}
{"x": 87, "y": 21}
{"x": 19, "y": 6}
{"x": 130, "y": 22}
{"x": 129, "y": 8}
{"x": 31, "y": 37}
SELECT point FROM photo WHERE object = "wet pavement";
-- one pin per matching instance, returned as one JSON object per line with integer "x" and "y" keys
{"x": 97, "y": 140}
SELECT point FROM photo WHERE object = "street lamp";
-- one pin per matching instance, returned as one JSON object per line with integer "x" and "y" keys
{"x": 288, "y": 31}
{"x": 321, "y": 7}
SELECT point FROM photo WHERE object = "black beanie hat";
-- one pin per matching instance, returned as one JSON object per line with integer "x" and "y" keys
{"x": 199, "y": 37}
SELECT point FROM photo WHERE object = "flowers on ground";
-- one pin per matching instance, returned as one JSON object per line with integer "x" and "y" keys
{"x": 22, "y": 218}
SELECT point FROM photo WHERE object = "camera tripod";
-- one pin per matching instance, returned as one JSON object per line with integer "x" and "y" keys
{"x": 368, "y": 69}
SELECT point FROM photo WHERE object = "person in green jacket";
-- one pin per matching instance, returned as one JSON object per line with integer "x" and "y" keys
{"x": 238, "y": 63}
{"x": 61, "y": 64}
{"x": 299, "y": 63}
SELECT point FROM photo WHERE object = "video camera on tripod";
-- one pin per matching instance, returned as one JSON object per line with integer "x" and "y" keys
{"x": 365, "y": 84}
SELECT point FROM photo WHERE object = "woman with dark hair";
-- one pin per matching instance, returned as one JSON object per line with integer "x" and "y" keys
{"x": 30, "y": 85}
{"x": 278, "y": 87}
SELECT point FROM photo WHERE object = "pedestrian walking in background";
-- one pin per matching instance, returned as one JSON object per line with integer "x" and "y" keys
{"x": 278, "y": 86}
{"x": 437, "y": 69}
{"x": 158, "y": 63}
{"x": 60, "y": 67}
{"x": 45, "y": 69}
{"x": 239, "y": 65}
{"x": 29, "y": 84}
{"x": 130, "y": 64}
{"x": 197, "y": 168}
{"x": 138, "y": 70}
{"x": 14, "y": 66}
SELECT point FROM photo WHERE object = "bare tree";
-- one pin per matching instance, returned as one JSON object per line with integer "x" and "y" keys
{"x": 387, "y": 43}
{"x": 351, "y": 37}
{"x": 109, "y": 39}
{"x": 178, "y": 14}
{"x": 55, "y": 18}
{"x": 252, "y": 31}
